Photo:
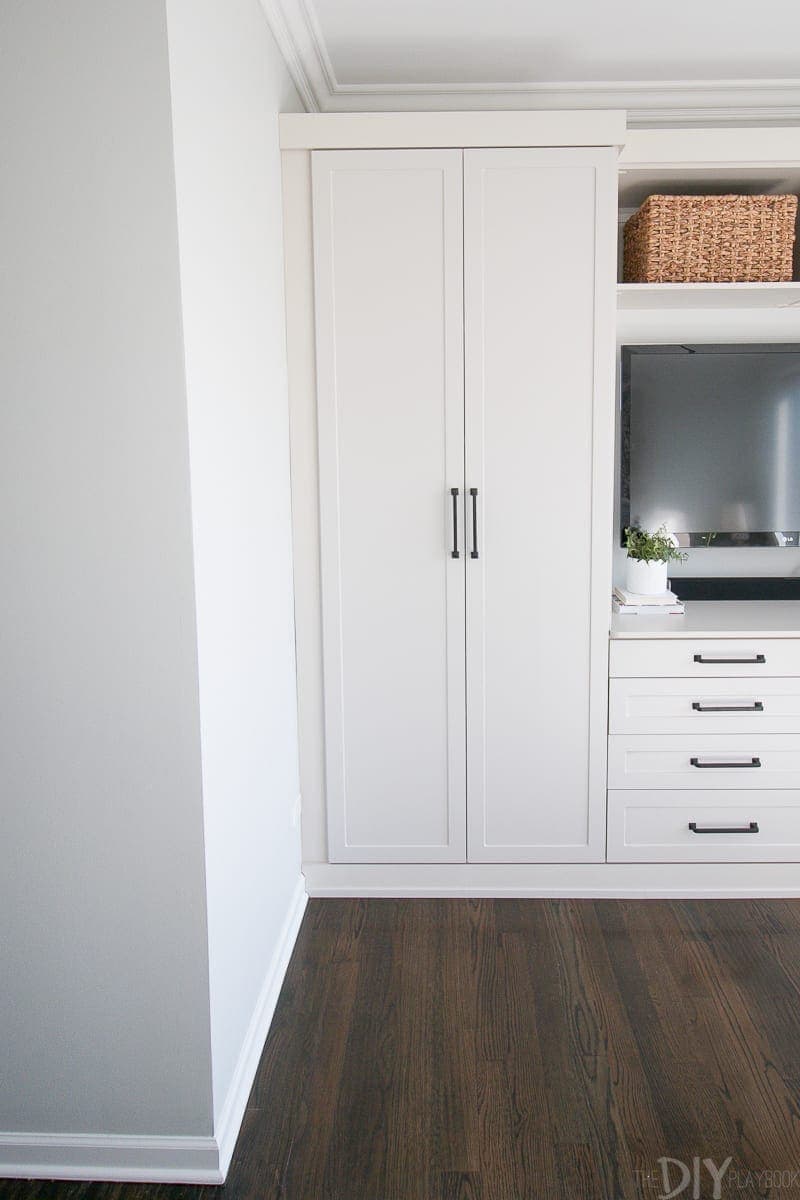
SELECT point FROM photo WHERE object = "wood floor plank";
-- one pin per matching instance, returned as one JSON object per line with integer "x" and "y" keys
{"x": 358, "y": 1148}
{"x": 459, "y": 1185}
{"x": 759, "y": 976}
{"x": 627, "y": 1130}
{"x": 568, "y": 1104}
{"x": 301, "y": 1151}
{"x": 486, "y": 970}
{"x": 691, "y": 1031}
{"x": 531, "y": 1134}
{"x": 417, "y": 1054}
{"x": 686, "y": 1111}
{"x": 494, "y": 1122}
{"x": 455, "y": 1084}
{"x": 758, "y": 1069}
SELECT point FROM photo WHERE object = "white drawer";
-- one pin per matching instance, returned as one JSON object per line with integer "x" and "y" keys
{"x": 704, "y": 657}
{"x": 654, "y": 826}
{"x": 660, "y": 706}
{"x": 762, "y": 760}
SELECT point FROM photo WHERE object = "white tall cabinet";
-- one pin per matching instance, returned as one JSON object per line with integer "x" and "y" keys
{"x": 464, "y": 304}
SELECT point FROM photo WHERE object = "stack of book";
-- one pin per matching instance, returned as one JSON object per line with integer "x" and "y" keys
{"x": 623, "y": 601}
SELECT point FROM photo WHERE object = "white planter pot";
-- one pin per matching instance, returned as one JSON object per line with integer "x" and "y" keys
{"x": 646, "y": 578}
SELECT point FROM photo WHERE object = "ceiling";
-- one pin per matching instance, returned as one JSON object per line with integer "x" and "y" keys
{"x": 516, "y": 41}
{"x": 693, "y": 61}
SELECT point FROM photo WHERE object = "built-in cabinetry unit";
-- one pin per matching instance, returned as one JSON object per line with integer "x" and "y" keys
{"x": 453, "y": 313}
{"x": 464, "y": 383}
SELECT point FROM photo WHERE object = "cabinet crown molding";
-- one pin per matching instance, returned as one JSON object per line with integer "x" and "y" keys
{"x": 396, "y": 130}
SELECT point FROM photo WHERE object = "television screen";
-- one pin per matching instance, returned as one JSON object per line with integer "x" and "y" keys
{"x": 711, "y": 443}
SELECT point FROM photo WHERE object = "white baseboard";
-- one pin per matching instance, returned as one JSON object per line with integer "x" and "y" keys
{"x": 232, "y": 1112}
{"x": 189, "y": 1160}
{"x": 193, "y": 1160}
{"x": 590, "y": 880}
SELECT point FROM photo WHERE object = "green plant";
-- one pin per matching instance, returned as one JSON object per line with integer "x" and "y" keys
{"x": 652, "y": 547}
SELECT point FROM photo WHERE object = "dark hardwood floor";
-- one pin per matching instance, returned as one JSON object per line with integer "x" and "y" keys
{"x": 522, "y": 1050}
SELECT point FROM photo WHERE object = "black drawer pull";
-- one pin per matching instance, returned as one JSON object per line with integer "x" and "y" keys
{"x": 756, "y": 706}
{"x": 726, "y": 766}
{"x": 454, "y": 552}
{"x": 751, "y": 828}
{"x": 713, "y": 662}
{"x": 474, "y": 551}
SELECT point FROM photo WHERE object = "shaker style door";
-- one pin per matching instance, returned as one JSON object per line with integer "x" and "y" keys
{"x": 389, "y": 318}
{"x": 539, "y": 301}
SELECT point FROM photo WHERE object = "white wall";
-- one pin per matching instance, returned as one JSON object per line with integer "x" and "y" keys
{"x": 228, "y": 84}
{"x": 103, "y": 959}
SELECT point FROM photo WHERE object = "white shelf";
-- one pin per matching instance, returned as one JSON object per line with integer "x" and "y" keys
{"x": 715, "y": 618}
{"x": 707, "y": 295}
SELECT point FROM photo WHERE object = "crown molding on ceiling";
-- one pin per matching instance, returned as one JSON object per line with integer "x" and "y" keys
{"x": 673, "y": 102}
{"x": 718, "y": 102}
{"x": 298, "y": 46}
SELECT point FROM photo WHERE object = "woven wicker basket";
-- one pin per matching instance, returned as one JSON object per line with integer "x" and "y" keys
{"x": 711, "y": 239}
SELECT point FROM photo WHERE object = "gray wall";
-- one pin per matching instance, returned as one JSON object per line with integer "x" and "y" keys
{"x": 104, "y": 1006}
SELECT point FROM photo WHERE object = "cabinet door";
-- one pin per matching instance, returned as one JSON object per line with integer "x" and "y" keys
{"x": 539, "y": 230}
{"x": 389, "y": 312}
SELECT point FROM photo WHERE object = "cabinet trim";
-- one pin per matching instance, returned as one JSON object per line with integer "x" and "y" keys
{"x": 460, "y": 130}
{"x": 541, "y": 880}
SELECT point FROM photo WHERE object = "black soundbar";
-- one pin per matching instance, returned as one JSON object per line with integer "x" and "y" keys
{"x": 688, "y": 587}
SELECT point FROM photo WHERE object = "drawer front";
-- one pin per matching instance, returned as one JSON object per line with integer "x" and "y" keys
{"x": 655, "y": 826}
{"x": 662, "y": 706}
{"x": 712, "y": 658}
{"x": 704, "y": 761}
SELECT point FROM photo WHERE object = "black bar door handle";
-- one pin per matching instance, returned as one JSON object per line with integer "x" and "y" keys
{"x": 725, "y": 766}
{"x": 751, "y": 828}
{"x": 454, "y": 552}
{"x": 474, "y": 551}
{"x": 713, "y": 662}
{"x": 756, "y": 706}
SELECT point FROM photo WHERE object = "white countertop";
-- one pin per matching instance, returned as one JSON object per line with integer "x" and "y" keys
{"x": 715, "y": 618}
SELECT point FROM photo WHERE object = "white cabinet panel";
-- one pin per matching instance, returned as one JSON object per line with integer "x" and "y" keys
{"x": 698, "y": 658}
{"x": 539, "y": 367}
{"x": 704, "y": 706}
{"x": 730, "y": 826}
{"x": 704, "y": 761}
{"x": 388, "y": 280}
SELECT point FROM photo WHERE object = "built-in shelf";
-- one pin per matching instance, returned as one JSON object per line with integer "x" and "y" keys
{"x": 715, "y": 618}
{"x": 708, "y": 295}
